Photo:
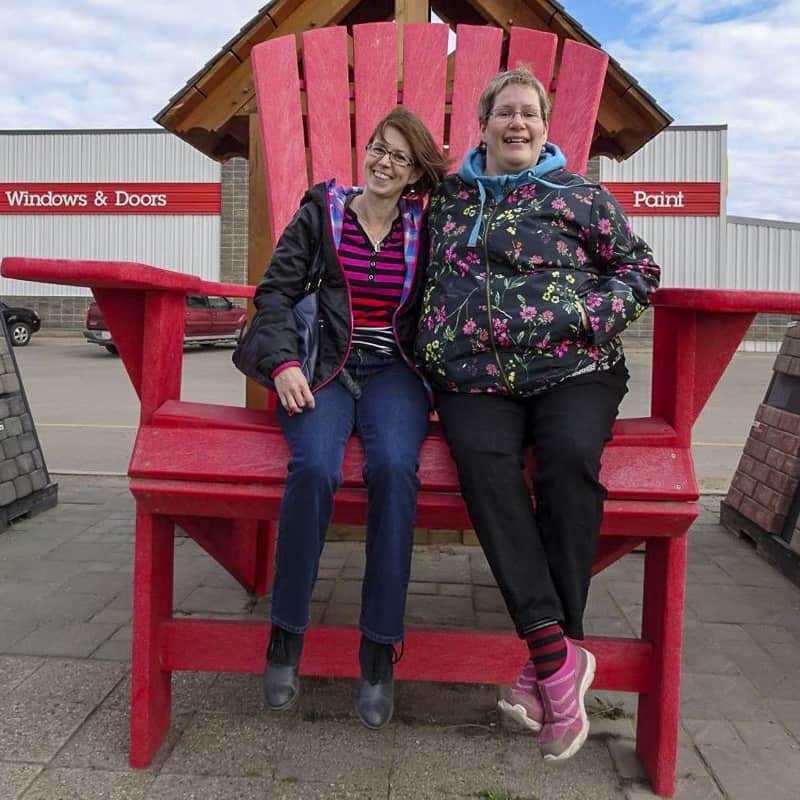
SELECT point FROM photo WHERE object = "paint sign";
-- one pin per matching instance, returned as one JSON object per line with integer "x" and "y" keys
{"x": 668, "y": 199}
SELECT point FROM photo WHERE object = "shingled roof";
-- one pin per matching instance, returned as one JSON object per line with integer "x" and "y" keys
{"x": 211, "y": 111}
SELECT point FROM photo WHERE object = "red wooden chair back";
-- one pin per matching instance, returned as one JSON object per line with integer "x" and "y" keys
{"x": 339, "y": 119}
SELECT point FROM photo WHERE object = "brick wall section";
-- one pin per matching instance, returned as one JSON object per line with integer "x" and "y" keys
{"x": 768, "y": 475}
{"x": 22, "y": 470}
{"x": 788, "y": 359}
{"x": 233, "y": 222}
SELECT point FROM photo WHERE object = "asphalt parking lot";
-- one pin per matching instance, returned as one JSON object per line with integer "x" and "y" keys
{"x": 84, "y": 407}
{"x": 86, "y": 411}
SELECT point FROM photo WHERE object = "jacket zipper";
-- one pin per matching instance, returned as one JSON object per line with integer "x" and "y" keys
{"x": 489, "y": 300}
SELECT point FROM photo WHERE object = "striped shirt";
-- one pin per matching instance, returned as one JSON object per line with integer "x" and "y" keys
{"x": 376, "y": 282}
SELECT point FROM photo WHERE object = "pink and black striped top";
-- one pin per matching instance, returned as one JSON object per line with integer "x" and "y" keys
{"x": 376, "y": 279}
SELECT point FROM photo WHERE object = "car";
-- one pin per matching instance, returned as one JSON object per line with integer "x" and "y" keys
{"x": 21, "y": 323}
{"x": 209, "y": 320}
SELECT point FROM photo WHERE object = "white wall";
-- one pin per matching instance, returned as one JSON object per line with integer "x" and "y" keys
{"x": 187, "y": 243}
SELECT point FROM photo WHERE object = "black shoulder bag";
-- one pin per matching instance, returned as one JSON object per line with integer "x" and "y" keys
{"x": 247, "y": 356}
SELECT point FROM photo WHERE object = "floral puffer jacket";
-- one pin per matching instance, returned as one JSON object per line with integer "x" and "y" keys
{"x": 512, "y": 259}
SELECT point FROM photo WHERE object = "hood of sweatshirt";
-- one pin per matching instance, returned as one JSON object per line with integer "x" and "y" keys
{"x": 472, "y": 172}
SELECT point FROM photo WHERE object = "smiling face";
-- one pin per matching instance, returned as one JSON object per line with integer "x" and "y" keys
{"x": 382, "y": 176}
{"x": 514, "y": 144}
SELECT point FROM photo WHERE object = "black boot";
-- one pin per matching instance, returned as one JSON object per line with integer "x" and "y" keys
{"x": 376, "y": 691}
{"x": 281, "y": 684}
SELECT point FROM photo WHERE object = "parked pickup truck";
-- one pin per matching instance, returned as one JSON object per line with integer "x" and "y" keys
{"x": 209, "y": 320}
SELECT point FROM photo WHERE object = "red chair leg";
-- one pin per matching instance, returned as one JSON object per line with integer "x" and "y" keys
{"x": 662, "y": 624}
{"x": 151, "y": 686}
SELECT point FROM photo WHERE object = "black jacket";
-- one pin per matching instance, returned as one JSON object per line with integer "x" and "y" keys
{"x": 284, "y": 283}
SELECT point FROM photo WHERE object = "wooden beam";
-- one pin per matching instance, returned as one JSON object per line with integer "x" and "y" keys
{"x": 194, "y": 96}
{"x": 454, "y": 12}
{"x": 411, "y": 11}
{"x": 625, "y": 113}
{"x": 372, "y": 11}
{"x": 259, "y": 243}
{"x": 540, "y": 14}
{"x": 202, "y": 114}
{"x": 625, "y": 108}
{"x": 305, "y": 16}
{"x": 232, "y": 93}
{"x": 505, "y": 13}
{"x": 171, "y": 117}
{"x": 216, "y": 72}
{"x": 271, "y": 20}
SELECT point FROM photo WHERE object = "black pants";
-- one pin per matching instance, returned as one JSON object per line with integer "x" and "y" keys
{"x": 541, "y": 560}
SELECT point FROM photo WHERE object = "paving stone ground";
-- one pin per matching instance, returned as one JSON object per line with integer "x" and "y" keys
{"x": 65, "y": 609}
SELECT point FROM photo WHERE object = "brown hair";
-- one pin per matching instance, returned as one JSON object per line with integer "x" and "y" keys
{"x": 427, "y": 155}
{"x": 521, "y": 76}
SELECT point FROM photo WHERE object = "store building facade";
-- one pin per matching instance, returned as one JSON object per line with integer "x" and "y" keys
{"x": 680, "y": 180}
{"x": 147, "y": 196}
{"x": 113, "y": 195}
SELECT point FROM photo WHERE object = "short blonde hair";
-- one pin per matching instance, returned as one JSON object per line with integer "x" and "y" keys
{"x": 521, "y": 76}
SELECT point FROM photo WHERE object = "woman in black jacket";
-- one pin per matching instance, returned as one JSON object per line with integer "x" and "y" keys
{"x": 362, "y": 381}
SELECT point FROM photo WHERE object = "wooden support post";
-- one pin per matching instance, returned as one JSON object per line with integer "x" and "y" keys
{"x": 411, "y": 11}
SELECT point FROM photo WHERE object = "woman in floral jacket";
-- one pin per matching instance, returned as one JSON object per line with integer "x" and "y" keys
{"x": 533, "y": 274}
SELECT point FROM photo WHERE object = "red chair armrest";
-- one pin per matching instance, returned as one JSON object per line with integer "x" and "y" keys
{"x": 114, "y": 275}
{"x": 728, "y": 300}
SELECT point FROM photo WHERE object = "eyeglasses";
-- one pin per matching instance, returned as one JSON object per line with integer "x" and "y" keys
{"x": 397, "y": 157}
{"x": 505, "y": 114}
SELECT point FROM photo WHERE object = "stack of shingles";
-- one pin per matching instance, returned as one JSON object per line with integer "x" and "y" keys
{"x": 22, "y": 469}
{"x": 766, "y": 481}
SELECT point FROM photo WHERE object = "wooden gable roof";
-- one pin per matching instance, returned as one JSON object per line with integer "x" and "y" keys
{"x": 211, "y": 111}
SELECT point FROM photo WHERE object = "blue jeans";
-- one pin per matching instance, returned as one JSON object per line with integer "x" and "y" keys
{"x": 391, "y": 419}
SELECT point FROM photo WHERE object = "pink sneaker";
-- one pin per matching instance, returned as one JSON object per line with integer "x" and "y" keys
{"x": 566, "y": 725}
{"x": 520, "y": 702}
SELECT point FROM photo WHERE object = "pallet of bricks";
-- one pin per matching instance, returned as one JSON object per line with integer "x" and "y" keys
{"x": 763, "y": 501}
{"x": 25, "y": 486}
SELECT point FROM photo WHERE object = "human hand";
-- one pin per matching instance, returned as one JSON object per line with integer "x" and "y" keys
{"x": 293, "y": 390}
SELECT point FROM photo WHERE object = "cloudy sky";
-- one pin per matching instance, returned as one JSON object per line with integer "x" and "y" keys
{"x": 115, "y": 63}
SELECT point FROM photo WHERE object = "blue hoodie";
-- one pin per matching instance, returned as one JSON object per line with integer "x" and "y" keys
{"x": 472, "y": 173}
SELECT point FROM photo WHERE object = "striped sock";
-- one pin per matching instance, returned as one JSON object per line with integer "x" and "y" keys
{"x": 548, "y": 648}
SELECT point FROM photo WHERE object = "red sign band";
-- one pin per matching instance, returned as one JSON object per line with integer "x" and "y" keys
{"x": 110, "y": 198}
{"x": 668, "y": 199}
{"x": 638, "y": 199}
